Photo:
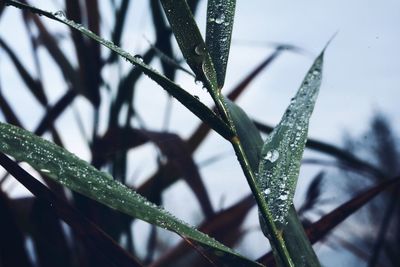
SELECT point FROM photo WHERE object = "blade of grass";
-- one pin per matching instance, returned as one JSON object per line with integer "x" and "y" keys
{"x": 12, "y": 247}
{"x": 120, "y": 15}
{"x": 88, "y": 70}
{"x": 70, "y": 215}
{"x": 191, "y": 42}
{"x": 220, "y": 16}
{"x": 279, "y": 169}
{"x": 194, "y": 50}
{"x": 163, "y": 40}
{"x": 54, "y": 112}
{"x": 67, "y": 70}
{"x": 34, "y": 86}
{"x": 74, "y": 173}
{"x": 8, "y": 112}
{"x": 203, "y": 129}
{"x": 47, "y": 234}
{"x": 283, "y": 148}
{"x": 271, "y": 208}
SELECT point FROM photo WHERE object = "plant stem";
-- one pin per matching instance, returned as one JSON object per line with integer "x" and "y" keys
{"x": 276, "y": 238}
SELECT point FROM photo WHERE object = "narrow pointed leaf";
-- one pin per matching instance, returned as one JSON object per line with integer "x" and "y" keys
{"x": 33, "y": 85}
{"x": 191, "y": 42}
{"x": 220, "y": 16}
{"x": 74, "y": 173}
{"x": 283, "y": 148}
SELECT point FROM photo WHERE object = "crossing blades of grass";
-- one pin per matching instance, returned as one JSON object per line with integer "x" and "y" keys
{"x": 74, "y": 173}
{"x": 189, "y": 101}
{"x": 220, "y": 16}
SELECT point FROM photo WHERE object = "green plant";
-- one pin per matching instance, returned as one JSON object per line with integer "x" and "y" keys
{"x": 271, "y": 167}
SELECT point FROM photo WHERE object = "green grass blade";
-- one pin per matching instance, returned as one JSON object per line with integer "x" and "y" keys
{"x": 283, "y": 148}
{"x": 220, "y": 16}
{"x": 191, "y": 42}
{"x": 189, "y": 101}
{"x": 248, "y": 133}
{"x": 76, "y": 174}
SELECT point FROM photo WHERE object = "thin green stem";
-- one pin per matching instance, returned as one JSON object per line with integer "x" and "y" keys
{"x": 276, "y": 237}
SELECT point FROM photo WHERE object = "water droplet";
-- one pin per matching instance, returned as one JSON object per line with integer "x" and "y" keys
{"x": 267, "y": 191}
{"x": 283, "y": 197}
{"x": 45, "y": 170}
{"x": 272, "y": 155}
{"x": 200, "y": 49}
{"x": 139, "y": 58}
{"x": 60, "y": 14}
{"x": 220, "y": 19}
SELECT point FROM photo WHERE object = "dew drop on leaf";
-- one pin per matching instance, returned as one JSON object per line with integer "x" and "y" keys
{"x": 272, "y": 156}
{"x": 60, "y": 14}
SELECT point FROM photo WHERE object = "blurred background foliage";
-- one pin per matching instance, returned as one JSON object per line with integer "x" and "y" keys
{"x": 113, "y": 132}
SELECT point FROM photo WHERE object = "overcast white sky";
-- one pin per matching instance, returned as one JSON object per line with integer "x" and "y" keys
{"x": 361, "y": 76}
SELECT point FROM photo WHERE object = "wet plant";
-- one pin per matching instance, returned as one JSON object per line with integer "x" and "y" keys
{"x": 271, "y": 165}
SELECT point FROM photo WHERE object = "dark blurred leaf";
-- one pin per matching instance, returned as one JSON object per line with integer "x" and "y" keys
{"x": 12, "y": 243}
{"x": 120, "y": 18}
{"x": 55, "y": 111}
{"x": 126, "y": 88}
{"x": 8, "y": 112}
{"x": 34, "y": 86}
{"x": 104, "y": 244}
{"x": 313, "y": 193}
{"x": 74, "y": 173}
{"x": 171, "y": 145}
{"x": 163, "y": 38}
{"x": 220, "y": 17}
{"x": 48, "y": 237}
{"x": 87, "y": 54}
{"x": 67, "y": 70}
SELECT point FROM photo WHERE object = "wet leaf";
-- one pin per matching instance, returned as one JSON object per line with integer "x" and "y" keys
{"x": 248, "y": 134}
{"x": 283, "y": 149}
{"x": 76, "y": 174}
{"x": 220, "y": 16}
{"x": 191, "y": 42}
